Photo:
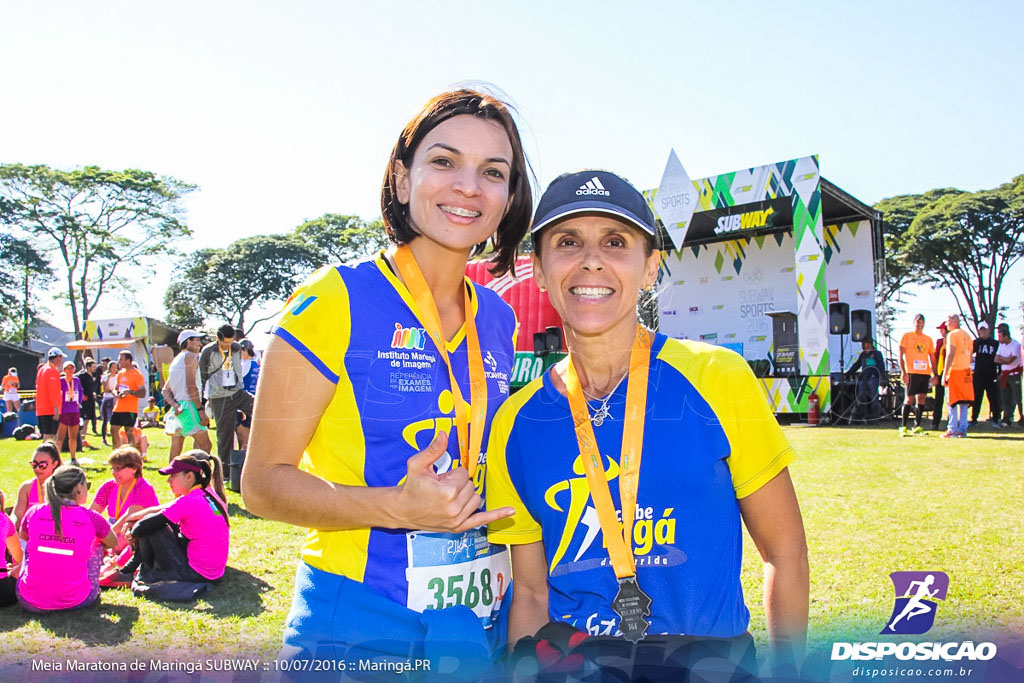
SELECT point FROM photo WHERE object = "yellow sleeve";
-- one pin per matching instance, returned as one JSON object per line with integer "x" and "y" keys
{"x": 315, "y": 321}
{"x": 757, "y": 448}
{"x": 521, "y": 527}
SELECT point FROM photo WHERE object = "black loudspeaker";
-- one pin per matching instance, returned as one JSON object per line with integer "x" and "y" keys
{"x": 860, "y": 325}
{"x": 839, "y": 318}
{"x": 554, "y": 335}
{"x": 540, "y": 343}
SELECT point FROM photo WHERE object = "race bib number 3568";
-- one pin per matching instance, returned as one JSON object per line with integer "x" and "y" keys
{"x": 457, "y": 569}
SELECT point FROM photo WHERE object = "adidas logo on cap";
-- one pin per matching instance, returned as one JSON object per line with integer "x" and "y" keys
{"x": 593, "y": 186}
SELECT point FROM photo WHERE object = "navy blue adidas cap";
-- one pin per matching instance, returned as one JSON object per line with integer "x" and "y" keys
{"x": 593, "y": 192}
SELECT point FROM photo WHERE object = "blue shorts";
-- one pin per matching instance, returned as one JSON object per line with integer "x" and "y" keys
{"x": 336, "y": 619}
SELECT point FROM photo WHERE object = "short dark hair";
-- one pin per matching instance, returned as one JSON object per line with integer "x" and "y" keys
{"x": 126, "y": 354}
{"x": 447, "y": 105}
{"x": 226, "y": 331}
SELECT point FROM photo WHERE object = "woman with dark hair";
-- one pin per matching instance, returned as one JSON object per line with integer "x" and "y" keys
{"x": 185, "y": 541}
{"x": 63, "y": 552}
{"x": 631, "y": 463}
{"x": 45, "y": 461}
{"x": 384, "y": 375}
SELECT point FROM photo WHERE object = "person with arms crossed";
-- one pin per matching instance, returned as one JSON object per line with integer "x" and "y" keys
{"x": 1008, "y": 355}
{"x": 916, "y": 370}
{"x": 986, "y": 375}
{"x": 385, "y": 375}
{"x": 621, "y": 528}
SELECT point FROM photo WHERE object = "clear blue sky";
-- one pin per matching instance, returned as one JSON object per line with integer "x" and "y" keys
{"x": 283, "y": 111}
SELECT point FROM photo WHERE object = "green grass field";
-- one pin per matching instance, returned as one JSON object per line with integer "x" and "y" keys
{"x": 872, "y": 503}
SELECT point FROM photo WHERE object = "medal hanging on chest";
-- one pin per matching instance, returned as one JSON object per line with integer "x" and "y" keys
{"x": 631, "y": 604}
{"x": 469, "y": 419}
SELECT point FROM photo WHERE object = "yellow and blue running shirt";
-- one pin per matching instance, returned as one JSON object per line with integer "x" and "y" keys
{"x": 709, "y": 440}
{"x": 356, "y": 326}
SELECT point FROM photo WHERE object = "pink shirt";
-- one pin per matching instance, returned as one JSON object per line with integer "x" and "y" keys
{"x": 142, "y": 494}
{"x": 56, "y": 570}
{"x": 206, "y": 529}
{"x": 5, "y": 533}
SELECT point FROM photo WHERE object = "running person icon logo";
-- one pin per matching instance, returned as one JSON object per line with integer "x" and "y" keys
{"x": 917, "y": 596}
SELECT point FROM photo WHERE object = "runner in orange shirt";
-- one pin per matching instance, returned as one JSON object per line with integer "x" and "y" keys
{"x": 130, "y": 387}
{"x": 10, "y": 385}
{"x": 956, "y": 376}
{"x": 916, "y": 368}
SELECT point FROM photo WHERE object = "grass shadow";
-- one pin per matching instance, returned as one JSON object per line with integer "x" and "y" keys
{"x": 236, "y": 510}
{"x": 102, "y": 624}
{"x": 237, "y": 594}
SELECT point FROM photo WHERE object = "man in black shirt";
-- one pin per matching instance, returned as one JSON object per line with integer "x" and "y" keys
{"x": 89, "y": 384}
{"x": 986, "y": 374}
{"x": 872, "y": 374}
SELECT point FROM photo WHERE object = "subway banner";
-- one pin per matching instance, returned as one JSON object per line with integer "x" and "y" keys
{"x": 756, "y": 244}
{"x": 721, "y": 292}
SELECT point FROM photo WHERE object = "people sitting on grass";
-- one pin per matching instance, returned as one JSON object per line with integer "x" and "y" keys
{"x": 45, "y": 460}
{"x": 8, "y": 574}
{"x": 64, "y": 546}
{"x": 70, "y": 410}
{"x": 126, "y": 493}
{"x": 181, "y": 547}
{"x": 150, "y": 415}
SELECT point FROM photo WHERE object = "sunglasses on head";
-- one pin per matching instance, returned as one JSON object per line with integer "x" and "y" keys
{"x": 40, "y": 465}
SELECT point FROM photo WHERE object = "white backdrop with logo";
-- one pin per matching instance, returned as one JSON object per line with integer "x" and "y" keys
{"x": 720, "y": 292}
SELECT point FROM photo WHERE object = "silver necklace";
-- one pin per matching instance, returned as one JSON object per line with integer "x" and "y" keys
{"x": 602, "y": 414}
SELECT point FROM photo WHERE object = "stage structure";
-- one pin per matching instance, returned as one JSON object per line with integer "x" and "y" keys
{"x": 762, "y": 242}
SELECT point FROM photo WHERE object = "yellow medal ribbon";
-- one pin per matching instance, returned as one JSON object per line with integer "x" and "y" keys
{"x": 470, "y": 427}
{"x": 119, "y": 502}
{"x": 617, "y": 538}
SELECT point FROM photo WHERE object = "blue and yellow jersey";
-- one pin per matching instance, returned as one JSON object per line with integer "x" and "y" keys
{"x": 356, "y": 326}
{"x": 709, "y": 440}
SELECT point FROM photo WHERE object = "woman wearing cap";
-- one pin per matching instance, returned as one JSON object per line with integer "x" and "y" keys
{"x": 126, "y": 493}
{"x": 186, "y": 540}
{"x": 45, "y": 460}
{"x": 385, "y": 375}
{"x": 673, "y": 438}
{"x": 64, "y": 546}
{"x": 182, "y": 395}
{"x": 70, "y": 410}
{"x": 10, "y": 384}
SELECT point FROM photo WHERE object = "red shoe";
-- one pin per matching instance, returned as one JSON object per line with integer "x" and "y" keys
{"x": 116, "y": 579}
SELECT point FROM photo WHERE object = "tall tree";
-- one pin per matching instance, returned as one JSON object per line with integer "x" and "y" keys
{"x": 224, "y": 285}
{"x": 94, "y": 223}
{"x": 338, "y": 238}
{"x": 899, "y": 212}
{"x": 24, "y": 274}
{"x": 967, "y": 242}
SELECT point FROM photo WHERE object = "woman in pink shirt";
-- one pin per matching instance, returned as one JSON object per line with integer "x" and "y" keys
{"x": 8, "y": 576}
{"x": 64, "y": 551}
{"x": 45, "y": 461}
{"x": 126, "y": 493}
{"x": 187, "y": 540}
